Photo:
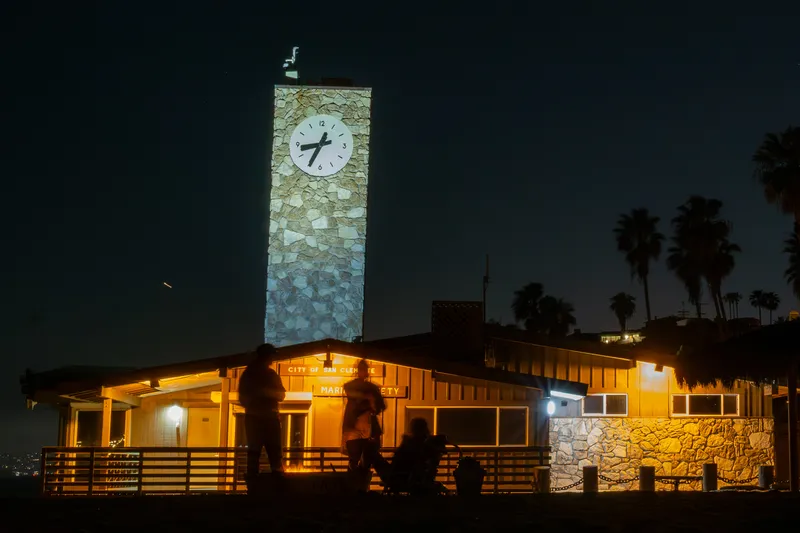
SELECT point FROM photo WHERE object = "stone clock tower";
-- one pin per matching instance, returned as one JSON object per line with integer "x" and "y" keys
{"x": 317, "y": 214}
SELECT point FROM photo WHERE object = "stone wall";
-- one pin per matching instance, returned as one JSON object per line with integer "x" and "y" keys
{"x": 675, "y": 446}
{"x": 317, "y": 225}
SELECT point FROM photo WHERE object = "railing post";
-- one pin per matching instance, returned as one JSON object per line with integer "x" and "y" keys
{"x": 765, "y": 477}
{"x": 709, "y": 477}
{"x": 322, "y": 460}
{"x": 90, "y": 487}
{"x": 496, "y": 471}
{"x": 541, "y": 479}
{"x": 235, "y": 471}
{"x": 647, "y": 478}
{"x": 188, "y": 471}
{"x": 43, "y": 472}
{"x": 140, "y": 475}
{"x": 590, "y": 479}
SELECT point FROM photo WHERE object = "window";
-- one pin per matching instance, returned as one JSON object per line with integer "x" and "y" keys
{"x": 605, "y": 405}
{"x": 705, "y": 404}
{"x": 476, "y": 426}
{"x": 90, "y": 428}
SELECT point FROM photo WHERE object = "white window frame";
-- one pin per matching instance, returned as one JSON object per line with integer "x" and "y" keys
{"x": 603, "y": 414}
{"x": 497, "y": 422}
{"x": 721, "y": 405}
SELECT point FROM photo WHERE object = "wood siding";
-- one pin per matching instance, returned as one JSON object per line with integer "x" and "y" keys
{"x": 326, "y": 413}
{"x": 649, "y": 392}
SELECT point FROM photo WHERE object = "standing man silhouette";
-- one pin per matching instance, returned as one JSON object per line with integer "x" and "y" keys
{"x": 361, "y": 431}
{"x": 260, "y": 391}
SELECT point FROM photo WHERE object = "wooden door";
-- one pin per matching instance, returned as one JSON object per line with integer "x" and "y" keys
{"x": 203, "y": 432}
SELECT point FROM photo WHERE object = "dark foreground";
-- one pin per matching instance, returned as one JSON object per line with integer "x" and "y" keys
{"x": 610, "y": 512}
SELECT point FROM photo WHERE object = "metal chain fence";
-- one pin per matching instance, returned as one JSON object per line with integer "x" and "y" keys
{"x": 730, "y": 481}
{"x": 612, "y": 481}
{"x": 567, "y": 487}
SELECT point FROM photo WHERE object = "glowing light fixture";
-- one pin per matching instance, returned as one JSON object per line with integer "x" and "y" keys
{"x": 565, "y": 395}
{"x": 175, "y": 413}
{"x": 551, "y": 408}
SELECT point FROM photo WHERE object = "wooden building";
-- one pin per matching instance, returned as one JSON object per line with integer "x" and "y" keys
{"x": 194, "y": 406}
{"x": 500, "y": 392}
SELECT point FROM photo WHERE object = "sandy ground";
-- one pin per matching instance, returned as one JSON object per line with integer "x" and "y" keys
{"x": 554, "y": 513}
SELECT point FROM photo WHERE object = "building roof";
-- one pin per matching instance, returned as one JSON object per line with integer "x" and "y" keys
{"x": 71, "y": 383}
{"x": 762, "y": 356}
{"x": 630, "y": 352}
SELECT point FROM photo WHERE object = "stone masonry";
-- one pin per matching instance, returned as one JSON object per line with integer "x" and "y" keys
{"x": 675, "y": 446}
{"x": 317, "y": 226}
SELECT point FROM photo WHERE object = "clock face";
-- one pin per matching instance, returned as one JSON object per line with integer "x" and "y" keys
{"x": 321, "y": 145}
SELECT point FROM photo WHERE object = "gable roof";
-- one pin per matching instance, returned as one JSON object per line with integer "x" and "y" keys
{"x": 67, "y": 381}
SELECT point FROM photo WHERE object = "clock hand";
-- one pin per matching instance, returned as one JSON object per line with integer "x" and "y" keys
{"x": 319, "y": 147}
{"x": 313, "y": 145}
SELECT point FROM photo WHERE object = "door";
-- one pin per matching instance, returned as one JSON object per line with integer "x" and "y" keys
{"x": 202, "y": 428}
{"x": 294, "y": 434}
{"x": 780, "y": 411}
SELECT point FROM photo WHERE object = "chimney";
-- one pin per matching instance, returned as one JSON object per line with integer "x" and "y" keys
{"x": 457, "y": 330}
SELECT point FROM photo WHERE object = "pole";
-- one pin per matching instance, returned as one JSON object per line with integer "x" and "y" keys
{"x": 485, "y": 286}
{"x": 793, "y": 459}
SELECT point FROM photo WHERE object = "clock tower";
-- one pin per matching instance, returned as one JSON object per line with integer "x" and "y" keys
{"x": 317, "y": 213}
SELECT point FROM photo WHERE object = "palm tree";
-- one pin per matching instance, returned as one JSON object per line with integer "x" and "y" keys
{"x": 702, "y": 250}
{"x": 690, "y": 274}
{"x": 637, "y": 236}
{"x": 556, "y": 316}
{"x": 623, "y": 305}
{"x": 526, "y": 305}
{"x": 792, "y": 274}
{"x": 757, "y": 301}
{"x": 733, "y": 299}
{"x": 778, "y": 170}
{"x": 771, "y": 303}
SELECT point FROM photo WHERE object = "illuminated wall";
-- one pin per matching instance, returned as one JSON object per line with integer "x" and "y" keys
{"x": 317, "y": 214}
{"x": 674, "y": 446}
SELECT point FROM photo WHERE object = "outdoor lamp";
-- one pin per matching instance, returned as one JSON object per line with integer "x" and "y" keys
{"x": 175, "y": 413}
{"x": 551, "y": 407}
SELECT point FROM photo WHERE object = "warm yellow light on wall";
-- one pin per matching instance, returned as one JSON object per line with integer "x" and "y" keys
{"x": 175, "y": 414}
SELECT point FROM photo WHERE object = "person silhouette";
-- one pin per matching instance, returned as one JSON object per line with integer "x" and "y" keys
{"x": 260, "y": 391}
{"x": 361, "y": 431}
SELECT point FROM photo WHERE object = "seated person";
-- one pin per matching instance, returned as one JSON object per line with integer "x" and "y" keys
{"x": 417, "y": 456}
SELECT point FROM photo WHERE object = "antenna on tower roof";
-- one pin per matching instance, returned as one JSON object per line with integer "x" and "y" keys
{"x": 289, "y": 66}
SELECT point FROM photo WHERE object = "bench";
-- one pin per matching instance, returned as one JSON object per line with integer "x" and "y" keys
{"x": 677, "y": 479}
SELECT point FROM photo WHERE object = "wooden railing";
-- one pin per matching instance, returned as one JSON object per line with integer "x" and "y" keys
{"x": 116, "y": 471}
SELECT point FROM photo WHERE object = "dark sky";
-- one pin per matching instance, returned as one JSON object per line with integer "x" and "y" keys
{"x": 136, "y": 151}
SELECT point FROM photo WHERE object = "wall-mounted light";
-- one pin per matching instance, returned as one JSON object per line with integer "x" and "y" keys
{"x": 175, "y": 414}
{"x": 566, "y": 395}
{"x": 551, "y": 407}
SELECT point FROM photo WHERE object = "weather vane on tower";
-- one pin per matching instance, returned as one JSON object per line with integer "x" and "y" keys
{"x": 289, "y": 67}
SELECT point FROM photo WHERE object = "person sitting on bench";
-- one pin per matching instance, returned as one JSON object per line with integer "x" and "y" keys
{"x": 415, "y": 461}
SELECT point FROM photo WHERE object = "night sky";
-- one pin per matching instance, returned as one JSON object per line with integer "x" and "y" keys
{"x": 136, "y": 151}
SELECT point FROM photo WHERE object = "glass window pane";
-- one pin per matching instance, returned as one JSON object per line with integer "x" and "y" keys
{"x": 730, "y": 404}
{"x": 593, "y": 405}
{"x": 424, "y": 413}
{"x": 512, "y": 427}
{"x": 90, "y": 428}
{"x": 470, "y": 426}
{"x": 710, "y": 404}
{"x": 239, "y": 437}
{"x": 616, "y": 404}
{"x": 679, "y": 404}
